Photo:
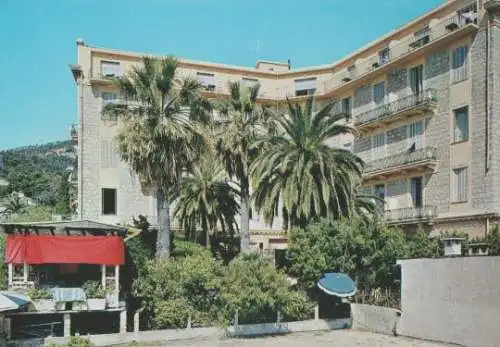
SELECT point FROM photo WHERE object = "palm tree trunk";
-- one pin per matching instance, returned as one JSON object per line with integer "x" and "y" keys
{"x": 245, "y": 217}
{"x": 163, "y": 239}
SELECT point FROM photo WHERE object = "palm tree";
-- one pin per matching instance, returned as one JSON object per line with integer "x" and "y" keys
{"x": 240, "y": 122}
{"x": 296, "y": 165}
{"x": 207, "y": 199}
{"x": 160, "y": 135}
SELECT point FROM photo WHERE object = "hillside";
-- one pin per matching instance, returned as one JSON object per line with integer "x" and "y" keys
{"x": 36, "y": 170}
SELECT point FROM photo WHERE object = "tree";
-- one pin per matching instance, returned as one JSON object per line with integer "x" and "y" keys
{"x": 207, "y": 198}
{"x": 367, "y": 252}
{"x": 295, "y": 164}
{"x": 32, "y": 214}
{"x": 160, "y": 136}
{"x": 15, "y": 205}
{"x": 63, "y": 197}
{"x": 239, "y": 124}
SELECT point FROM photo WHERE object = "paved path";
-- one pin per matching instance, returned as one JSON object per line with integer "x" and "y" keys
{"x": 338, "y": 338}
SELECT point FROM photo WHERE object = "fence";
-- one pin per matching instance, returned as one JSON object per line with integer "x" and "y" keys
{"x": 379, "y": 297}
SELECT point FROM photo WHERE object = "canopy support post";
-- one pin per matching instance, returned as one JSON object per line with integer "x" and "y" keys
{"x": 103, "y": 276}
{"x": 25, "y": 272}
{"x": 11, "y": 274}
{"x": 117, "y": 279}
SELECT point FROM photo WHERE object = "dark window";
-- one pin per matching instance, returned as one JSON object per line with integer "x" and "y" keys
{"x": 346, "y": 107}
{"x": 108, "y": 201}
{"x": 461, "y": 124}
{"x": 417, "y": 79}
{"x": 250, "y": 213}
{"x": 416, "y": 191}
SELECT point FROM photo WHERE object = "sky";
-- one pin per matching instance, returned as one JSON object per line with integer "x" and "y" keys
{"x": 37, "y": 43}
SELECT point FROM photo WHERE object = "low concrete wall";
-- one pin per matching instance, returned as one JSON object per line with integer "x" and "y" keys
{"x": 374, "y": 318}
{"x": 455, "y": 300}
{"x": 196, "y": 333}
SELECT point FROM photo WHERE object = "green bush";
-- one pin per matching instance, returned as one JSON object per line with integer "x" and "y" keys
{"x": 74, "y": 341}
{"x": 94, "y": 290}
{"x": 40, "y": 293}
{"x": 257, "y": 291}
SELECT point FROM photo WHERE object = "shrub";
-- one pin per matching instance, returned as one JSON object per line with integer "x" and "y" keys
{"x": 94, "y": 290}
{"x": 74, "y": 341}
{"x": 40, "y": 293}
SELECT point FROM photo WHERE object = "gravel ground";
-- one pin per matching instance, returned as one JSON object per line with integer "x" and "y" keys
{"x": 338, "y": 338}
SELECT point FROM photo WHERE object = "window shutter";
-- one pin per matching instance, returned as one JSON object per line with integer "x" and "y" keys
{"x": 305, "y": 84}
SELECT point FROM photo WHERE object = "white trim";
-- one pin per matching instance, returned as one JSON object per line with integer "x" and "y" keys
{"x": 337, "y": 294}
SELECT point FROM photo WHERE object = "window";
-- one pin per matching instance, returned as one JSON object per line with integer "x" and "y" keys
{"x": 108, "y": 201}
{"x": 383, "y": 56}
{"x": 459, "y": 64}
{"x": 378, "y": 146}
{"x": 460, "y": 185}
{"x": 421, "y": 37}
{"x": 416, "y": 192}
{"x": 250, "y": 213}
{"x": 461, "y": 125}
{"x": 277, "y": 209}
{"x": 207, "y": 81}
{"x": 379, "y": 93}
{"x": 306, "y": 86}
{"x": 110, "y": 69}
{"x": 108, "y": 155}
{"x": 415, "y": 134}
{"x": 346, "y": 107}
{"x": 417, "y": 79}
{"x": 108, "y": 98}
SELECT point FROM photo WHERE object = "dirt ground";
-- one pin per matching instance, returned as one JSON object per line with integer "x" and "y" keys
{"x": 337, "y": 338}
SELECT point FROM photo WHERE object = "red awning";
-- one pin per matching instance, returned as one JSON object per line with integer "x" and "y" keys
{"x": 32, "y": 249}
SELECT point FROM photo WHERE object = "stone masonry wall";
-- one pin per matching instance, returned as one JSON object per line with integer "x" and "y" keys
{"x": 482, "y": 184}
{"x": 89, "y": 153}
{"x": 437, "y": 130}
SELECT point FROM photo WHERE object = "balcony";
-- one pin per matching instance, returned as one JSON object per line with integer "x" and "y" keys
{"x": 420, "y": 160}
{"x": 408, "y": 106}
{"x": 98, "y": 77}
{"x": 409, "y": 215}
{"x": 400, "y": 51}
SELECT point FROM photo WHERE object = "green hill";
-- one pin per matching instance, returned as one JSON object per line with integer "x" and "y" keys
{"x": 36, "y": 170}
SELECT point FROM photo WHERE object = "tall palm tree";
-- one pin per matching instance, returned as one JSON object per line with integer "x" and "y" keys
{"x": 160, "y": 135}
{"x": 240, "y": 120}
{"x": 295, "y": 164}
{"x": 207, "y": 199}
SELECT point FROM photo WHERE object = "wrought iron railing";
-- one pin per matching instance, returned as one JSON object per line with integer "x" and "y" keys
{"x": 404, "y": 47}
{"x": 426, "y": 97}
{"x": 411, "y": 213}
{"x": 405, "y": 158}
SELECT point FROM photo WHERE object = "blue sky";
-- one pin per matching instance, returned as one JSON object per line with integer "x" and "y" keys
{"x": 37, "y": 42}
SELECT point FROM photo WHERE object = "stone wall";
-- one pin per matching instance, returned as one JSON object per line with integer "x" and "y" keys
{"x": 377, "y": 319}
{"x": 437, "y": 129}
{"x": 453, "y": 300}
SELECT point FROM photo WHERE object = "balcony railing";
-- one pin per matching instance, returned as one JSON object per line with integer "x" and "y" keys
{"x": 402, "y": 48}
{"x": 401, "y": 159}
{"x": 407, "y": 103}
{"x": 411, "y": 214}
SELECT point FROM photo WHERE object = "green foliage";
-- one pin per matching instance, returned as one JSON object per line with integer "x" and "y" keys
{"x": 74, "y": 341}
{"x": 196, "y": 286}
{"x": 493, "y": 240}
{"x": 296, "y": 165}
{"x": 254, "y": 288}
{"x": 206, "y": 198}
{"x": 63, "y": 196}
{"x": 422, "y": 246}
{"x": 367, "y": 252}
{"x": 94, "y": 290}
{"x": 36, "y": 170}
{"x": 33, "y": 214}
{"x": 40, "y": 293}
{"x": 192, "y": 279}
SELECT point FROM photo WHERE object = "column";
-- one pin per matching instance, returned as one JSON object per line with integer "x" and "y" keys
{"x": 67, "y": 324}
{"x": 123, "y": 321}
{"x": 316, "y": 312}
{"x": 103, "y": 276}
{"x": 11, "y": 274}
{"x": 117, "y": 279}
{"x": 25, "y": 272}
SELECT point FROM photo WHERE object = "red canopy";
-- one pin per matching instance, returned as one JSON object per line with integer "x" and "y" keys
{"x": 33, "y": 249}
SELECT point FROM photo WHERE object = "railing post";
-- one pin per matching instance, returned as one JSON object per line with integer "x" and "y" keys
{"x": 236, "y": 318}
{"x": 316, "y": 312}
